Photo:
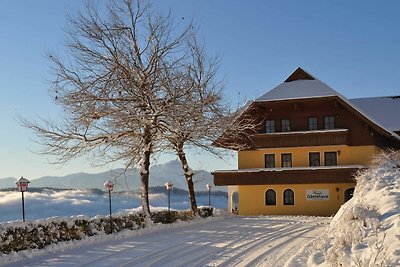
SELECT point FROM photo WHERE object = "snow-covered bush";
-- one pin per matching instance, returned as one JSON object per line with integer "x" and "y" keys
{"x": 38, "y": 234}
{"x": 16, "y": 236}
{"x": 366, "y": 229}
{"x": 174, "y": 215}
{"x": 205, "y": 211}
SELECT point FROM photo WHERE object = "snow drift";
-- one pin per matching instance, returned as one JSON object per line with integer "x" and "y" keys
{"x": 366, "y": 229}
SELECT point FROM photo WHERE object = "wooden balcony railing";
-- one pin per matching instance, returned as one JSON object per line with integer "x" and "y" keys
{"x": 311, "y": 175}
{"x": 303, "y": 138}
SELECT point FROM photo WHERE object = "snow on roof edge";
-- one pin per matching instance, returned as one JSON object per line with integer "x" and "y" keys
{"x": 292, "y": 98}
{"x": 371, "y": 97}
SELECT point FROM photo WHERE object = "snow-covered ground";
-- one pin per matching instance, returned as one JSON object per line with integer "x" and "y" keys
{"x": 47, "y": 203}
{"x": 366, "y": 230}
{"x": 224, "y": 240}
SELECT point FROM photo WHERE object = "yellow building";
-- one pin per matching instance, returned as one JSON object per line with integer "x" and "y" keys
{"x": 305, "y": 145}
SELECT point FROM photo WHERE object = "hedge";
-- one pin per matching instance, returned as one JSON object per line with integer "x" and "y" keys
{"x": 38, "y": 234}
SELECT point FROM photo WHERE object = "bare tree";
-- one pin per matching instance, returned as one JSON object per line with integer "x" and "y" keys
{"x": 201, "y": 116}
{"x": 111, "y": 86}
{"x": 186, "y": 122}
{"x": 239, "y": 126}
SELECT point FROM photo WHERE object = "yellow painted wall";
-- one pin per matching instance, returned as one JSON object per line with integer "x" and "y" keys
{"x": 252, "y": 200}
{"x": 349, "y": 155}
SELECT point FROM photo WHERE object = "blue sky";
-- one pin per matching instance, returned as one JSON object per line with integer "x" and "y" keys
{"x": 353, "y": 46}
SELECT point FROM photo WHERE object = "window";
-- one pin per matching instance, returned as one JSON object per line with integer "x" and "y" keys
{"x": 270, "y": 197}
{"x": 269, "y": 160}
{"x": 329, "y": 122}
{"x": 288, "y": 197}
{"x": 348, "y": 194}
{"x": 312, "y": 123}
{"x": 330, "y": 158}
{"x": 313, "y": 158}
{"x": 285, "y": 125}
{"x": 286, "y": 160}
{"x": 269, "y": 126}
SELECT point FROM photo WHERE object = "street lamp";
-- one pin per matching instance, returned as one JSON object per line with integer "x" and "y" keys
{"x": 169, "y": 186}
{"x": 209, "y": 187}
{"x": 22, "y": 185}
{"x": 109, "y": 186}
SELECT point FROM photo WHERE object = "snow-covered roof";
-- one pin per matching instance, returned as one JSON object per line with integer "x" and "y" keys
{"x": 385, "y": 110}
{"x": 298, "y": 89}
{"x": 300, "y": 84}
{"x": 278, "y": 169}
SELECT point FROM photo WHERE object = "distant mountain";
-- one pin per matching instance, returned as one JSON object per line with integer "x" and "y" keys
{"x": 7, "y": 182}
{"x": 159, "y": 175}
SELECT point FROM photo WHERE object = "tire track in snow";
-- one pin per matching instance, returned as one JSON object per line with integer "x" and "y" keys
{"x": 207, "y": 258}
{"x": 204, "y": 254}
{"x": 186, "y": 257}
{"x": 185, "y": 250}
{"x": 163, "y": 254}
{"x": 232, "y": 241}
{"x": 130, "y": 259}
{"x": 103, "y": 253}
{"x": 213, "y": 241}
{"x": 190, "y": 245}
{"x": 234, "y": 256}
{"x": 274, "y": 253}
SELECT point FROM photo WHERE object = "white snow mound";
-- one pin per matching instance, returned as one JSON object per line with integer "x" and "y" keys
{"x": 366, "y": 229}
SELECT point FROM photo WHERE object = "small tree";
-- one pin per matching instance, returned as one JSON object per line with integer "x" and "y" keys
{"x": 201, "y": 117}
{"x": 112, "y": 86}
{"x": 192, "y": 119}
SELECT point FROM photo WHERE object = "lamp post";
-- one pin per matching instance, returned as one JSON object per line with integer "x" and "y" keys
{"x": 109, "y": 186}
{"x": 22, "y": 185}
{"x": 169, "y": 186}
{"x": 209, "y": 187}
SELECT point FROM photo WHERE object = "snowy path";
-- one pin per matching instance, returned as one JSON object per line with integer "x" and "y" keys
{"x": 228, "y": 241}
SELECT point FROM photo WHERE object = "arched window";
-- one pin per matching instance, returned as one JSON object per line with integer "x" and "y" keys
{"x": 348, "y": 194}
{"x": 270, "y": 197}
{"x": 288, "y": 197}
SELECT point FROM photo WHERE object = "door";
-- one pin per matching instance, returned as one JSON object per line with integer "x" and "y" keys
{"x": 235, "y": 202}
{"x": 348, "y": 194}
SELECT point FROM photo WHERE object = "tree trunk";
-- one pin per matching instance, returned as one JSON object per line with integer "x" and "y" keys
{"x": 189, "y": 179}
{"x": 144, "y": 173}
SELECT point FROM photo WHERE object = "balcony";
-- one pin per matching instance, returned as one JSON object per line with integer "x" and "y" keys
{"x": 301, "y": 138}
{"x": 294, "y": 175}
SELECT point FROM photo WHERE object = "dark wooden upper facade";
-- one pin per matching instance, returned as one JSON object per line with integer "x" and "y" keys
{"x": 350, "y": 126}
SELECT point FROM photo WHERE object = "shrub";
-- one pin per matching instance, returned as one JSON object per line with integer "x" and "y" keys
{"x": 38, "y": 234}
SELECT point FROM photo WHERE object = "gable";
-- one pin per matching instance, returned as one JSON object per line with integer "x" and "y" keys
{"x": 299, "y": 74}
